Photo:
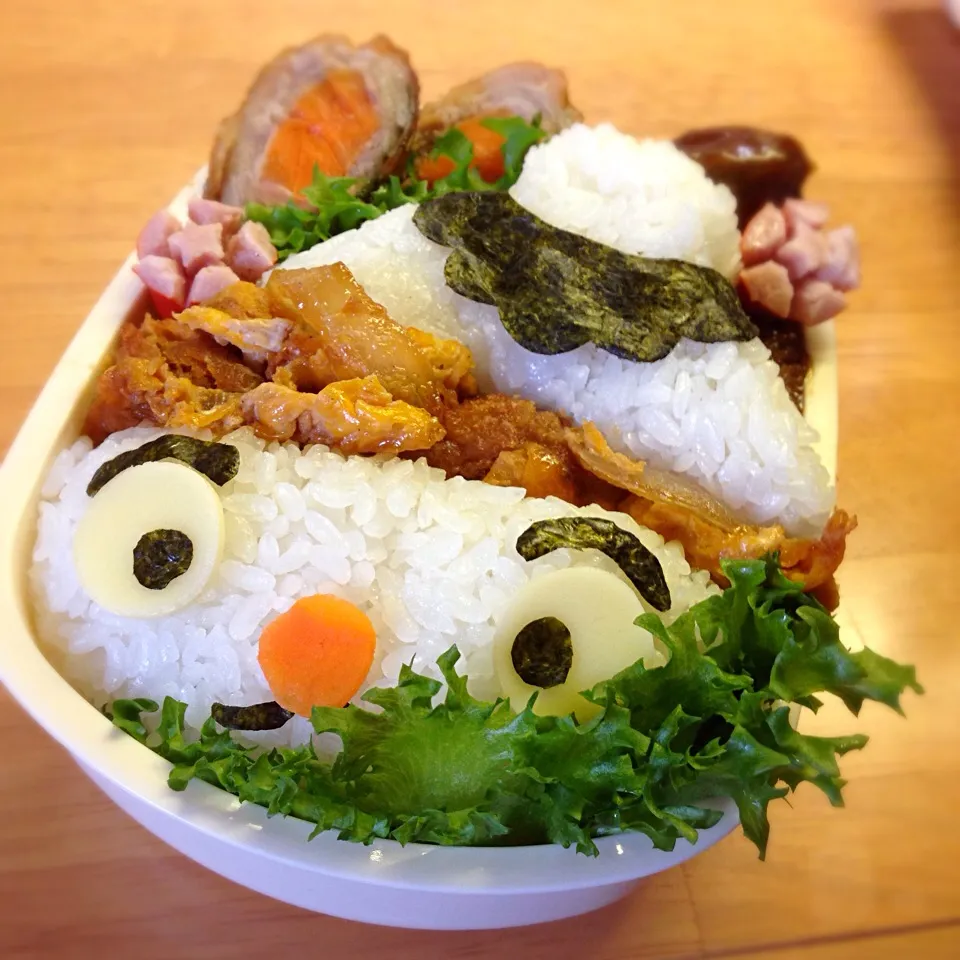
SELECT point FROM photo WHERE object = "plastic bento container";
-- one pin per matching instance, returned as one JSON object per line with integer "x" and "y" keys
{"x": 416, "y": 886}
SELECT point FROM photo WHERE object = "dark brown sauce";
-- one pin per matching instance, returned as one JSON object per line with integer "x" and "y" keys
{"x": 759, "y": 166}
{"x": 787, "y": 343}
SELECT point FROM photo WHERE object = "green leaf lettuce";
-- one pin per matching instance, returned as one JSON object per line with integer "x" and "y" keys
{"x": 714, "y": 721}
{"x": 332, "y": 205}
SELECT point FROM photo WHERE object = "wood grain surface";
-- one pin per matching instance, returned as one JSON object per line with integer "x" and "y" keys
{"x": 107, "y": 108}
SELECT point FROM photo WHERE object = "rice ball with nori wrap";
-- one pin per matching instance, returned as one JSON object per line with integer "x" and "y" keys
{"x": 715, "y": 412}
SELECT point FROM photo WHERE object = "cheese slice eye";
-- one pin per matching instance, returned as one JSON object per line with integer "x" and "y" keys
{"x": 598, "y": 610}
{"x": 150, "y": 540}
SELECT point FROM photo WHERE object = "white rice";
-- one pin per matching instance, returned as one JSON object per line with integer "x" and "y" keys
{"x": 640, "y": 196}
{"x": 718, "y": 413}
{"x": 431, "y": 561}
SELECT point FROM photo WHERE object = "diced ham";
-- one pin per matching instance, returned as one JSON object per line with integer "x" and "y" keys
{"x": 768, "y": 284}
{"x": 815, "y": 301}
{"x": 804, "y": 252}
{"x": 792, "y": 267}
{"x": 209, "y": 281}
{"x": 763, "y": 235}
{"x": 810, "y": 212}
{"x": 205, "y": 211}
{"x": 250, "y": 252}
{"x": 164, "y": 279}
{"x": 197, "y": 246}
{"x": 153, "y": 238}
{"x": 841, "y": 265}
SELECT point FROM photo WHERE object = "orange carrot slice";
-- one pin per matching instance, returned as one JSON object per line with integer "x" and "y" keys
{"x": 487, "y": 156}
{"x": 317, "y": 653}
{"x": 327, "y": 126}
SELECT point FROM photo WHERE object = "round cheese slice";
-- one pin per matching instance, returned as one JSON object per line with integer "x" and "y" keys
{"x": 141, "y": 499}
{"x": 599, "y": 609}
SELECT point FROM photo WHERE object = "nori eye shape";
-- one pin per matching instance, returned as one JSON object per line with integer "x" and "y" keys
{"x": 557, "y": 290}
{"x": 218, "y": 462}
{"x": 642, "y": 568}
{"x": 258, "y": 716}
{"x": 542, "y": 653}
{"x": 161, "y": 556}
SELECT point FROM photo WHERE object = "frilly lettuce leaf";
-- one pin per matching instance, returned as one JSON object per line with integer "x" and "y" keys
{"x": 336, "y": 204}
{"x": 714, "y": 721}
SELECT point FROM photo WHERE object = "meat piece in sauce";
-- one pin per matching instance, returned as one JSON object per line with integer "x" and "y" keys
{"x": 256, "y": 338}
{"x": 509, "y": 442}
{"x": 355, "y": 416}
{"x": 759, "y": 166}
{"x": 809, "y": 561}
{"x": 541, "y": 471}
{"x": 709, "y": 532}
{"x": 524, "y": 90}
{"x": 242, "y": 301}
{"x": 330, "y": 349}
{"x": 347, "y": 109}
{"x": 360, "y": 339}
{"x": 137, "y": 390}
{"x": 161, "y": 369}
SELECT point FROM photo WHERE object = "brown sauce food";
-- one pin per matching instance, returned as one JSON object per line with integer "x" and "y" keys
{"x": 786, "y": 342}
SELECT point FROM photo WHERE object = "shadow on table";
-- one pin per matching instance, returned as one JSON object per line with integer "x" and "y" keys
{"x": 930, "y": 46}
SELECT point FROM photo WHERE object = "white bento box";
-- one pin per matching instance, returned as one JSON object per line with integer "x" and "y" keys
{"x": 414, "y": 886}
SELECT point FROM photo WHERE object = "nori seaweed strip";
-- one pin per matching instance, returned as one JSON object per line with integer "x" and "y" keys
{"x": 542, "y": 652}
{"x": 582, "y": 533}
{"x": 258, "y": 716}
{"x": 219, "y": 462}
{"x": 556, "y": 290}
{"x": 161, "y": 556}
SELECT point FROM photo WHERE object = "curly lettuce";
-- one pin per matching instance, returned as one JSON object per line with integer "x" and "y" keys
{"x": 714, "y": 721}
{"x": 332, "y": 205}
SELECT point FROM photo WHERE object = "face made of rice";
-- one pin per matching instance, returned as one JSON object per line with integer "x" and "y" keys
{"x": 431, "y": 561}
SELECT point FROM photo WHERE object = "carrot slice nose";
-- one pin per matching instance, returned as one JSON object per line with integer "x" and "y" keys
{"x": 317, "y": 654}
{"x": 328, "y": 126}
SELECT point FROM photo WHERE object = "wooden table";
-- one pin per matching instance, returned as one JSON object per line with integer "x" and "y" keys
{"x": 107, "y": 109}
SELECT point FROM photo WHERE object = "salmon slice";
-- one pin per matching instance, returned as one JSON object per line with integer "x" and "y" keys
{"x": 327, "y": 127}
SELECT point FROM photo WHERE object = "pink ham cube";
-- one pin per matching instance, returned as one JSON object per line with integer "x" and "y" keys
{"x": 768, "y": 284}
{"x": 250, "y": 251}
{"x": 209, "y": 281}
{"x": 205, "y": 211}
{"x": 164, "y": 279}
{"x": 155, "y": 234}
{"x": 197, "y": 246}
{"x": 763, "y": 235}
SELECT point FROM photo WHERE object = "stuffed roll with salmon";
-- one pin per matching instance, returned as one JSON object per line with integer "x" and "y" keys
{"x": 530, "y": 91}
{"x": 346, "y": 110}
